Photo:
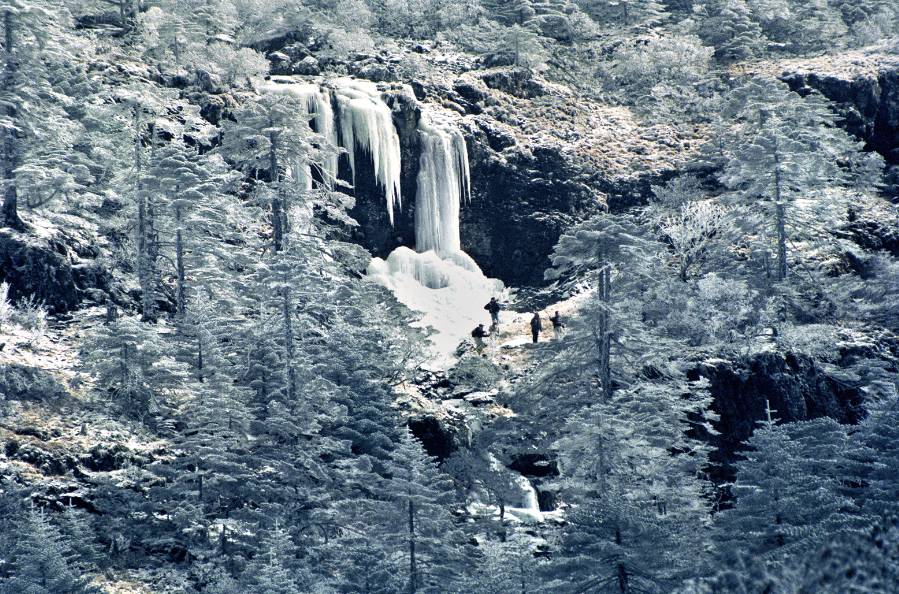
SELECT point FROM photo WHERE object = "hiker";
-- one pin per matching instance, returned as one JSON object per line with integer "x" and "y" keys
{"x": 536, "y": 326}
{"x": 479, "y": 334}
{"x": 493, "y": 307}
{"x": 558, "y": 325}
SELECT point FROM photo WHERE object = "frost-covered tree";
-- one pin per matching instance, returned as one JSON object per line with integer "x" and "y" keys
{"x": 876, "y": 460}
{"x": 635, "y": 469}
{"x": 596, "y": 245}
{"x": 193, "y": 213}
{"x": 691, "y": 231}
{"x": 40, "y": 560}
{"x": 408, "y": 526}
{"x": 266, "y": 137}
{"x": 625, "y": 13}
{"x": 730, "y": 27}
{"x": 784, "y": 148}
{"x": 788, "y": 495}
{"x": 869, "y": 20}
{"x": 799, "y": 26}
{"x": 132, "y": 365}
{"x": 34, "y": 43}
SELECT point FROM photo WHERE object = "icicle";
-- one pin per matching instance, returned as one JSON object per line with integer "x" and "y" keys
{"x": 443, "y": 182}
{"x": 366, "y": 123}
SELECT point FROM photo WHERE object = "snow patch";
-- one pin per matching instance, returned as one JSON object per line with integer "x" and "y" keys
{"x": 450, "y": 293}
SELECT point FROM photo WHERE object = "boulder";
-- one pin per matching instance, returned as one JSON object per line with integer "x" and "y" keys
{"x": 59, "y": 273}
{"x": 38, "y": 270}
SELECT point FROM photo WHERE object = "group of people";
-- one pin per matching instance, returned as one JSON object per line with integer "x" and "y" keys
{"x": 480, "y": 333}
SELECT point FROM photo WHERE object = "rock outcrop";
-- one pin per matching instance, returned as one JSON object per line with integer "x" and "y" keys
{"x": 795, "y": 388}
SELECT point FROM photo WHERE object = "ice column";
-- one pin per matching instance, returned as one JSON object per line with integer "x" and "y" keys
{"x": 443, "y": 183}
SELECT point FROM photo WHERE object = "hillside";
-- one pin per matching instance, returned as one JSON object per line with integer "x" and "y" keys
{"x": 245, "y": 247}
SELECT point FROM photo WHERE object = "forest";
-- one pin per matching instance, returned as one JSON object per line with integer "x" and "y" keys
{"x": 247, "y": 255}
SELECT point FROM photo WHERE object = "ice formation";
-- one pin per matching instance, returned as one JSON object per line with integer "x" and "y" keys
{"x": 450, "y": 297}
{"x": 439, "y": 280}
{"x": 443, "y": 183}
{"x": 366, "y": 123}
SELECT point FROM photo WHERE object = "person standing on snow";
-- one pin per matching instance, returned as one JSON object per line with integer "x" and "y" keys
{"x": 493, "y": 307}
{"x": 536, "y": 326}
{"x": 558, "y": 325}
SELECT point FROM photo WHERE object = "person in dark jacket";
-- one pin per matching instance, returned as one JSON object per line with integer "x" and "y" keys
{"x": 479, "y": 334}
{"x": 493, "y": 307}
{"x": 558, "y": 325}
{"x": 536, "y": 326}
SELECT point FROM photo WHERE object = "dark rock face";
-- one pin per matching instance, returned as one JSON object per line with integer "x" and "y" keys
{"x": 874, "y": 235}
{"x": 795, "y": 387}
{"x": 534, "y": 465}
{"x": 38, "y": 271}
{"x": 436, "y": 439}
{"x": 521, "y": 203}
{"x": 57, "y": 273}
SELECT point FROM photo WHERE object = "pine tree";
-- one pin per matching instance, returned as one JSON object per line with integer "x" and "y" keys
{"x": 131, "y": 364}
{"x": 410, "y": 530}
{"x": 787, "y": 493}
{"x": 276, "y": 569}
{"x": 197, "y": 214}
{"x": 640, "y": 520}
{"x": 729, "y": 26}
{"x": 39, "y": 560}
{"x": 876, "y": 460}
{"x": 869, "y": 20}
{"x": 32, "y": 35}
{"x": 784, "y": 148}
{"x": 211, "y": 480}
{"x": 267, "y": 136}
{"x": 626, "y": 13}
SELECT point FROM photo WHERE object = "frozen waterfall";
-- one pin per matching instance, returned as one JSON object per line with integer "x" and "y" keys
{"x": 442, "y": 185}
{"x": 366, "y": 124}
{"x": 439, "y": 280}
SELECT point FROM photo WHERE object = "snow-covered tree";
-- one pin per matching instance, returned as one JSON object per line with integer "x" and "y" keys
{"x": 266, "y": 137}
{"x": 787, "y": 492}
{"x": 730, "y": 27}
{"x": 39, "y": 559}
{"x": 34, "y": 44}
{"x": 636, "y": 473}
{"x": 132, "y": 365}
{"x": 785, "y": 148}
{"x": 407, "y": 522}
{"x": 625, "y": 13}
